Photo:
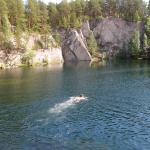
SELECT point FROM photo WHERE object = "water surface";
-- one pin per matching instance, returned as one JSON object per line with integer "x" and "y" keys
{"x": 116, "y": 115}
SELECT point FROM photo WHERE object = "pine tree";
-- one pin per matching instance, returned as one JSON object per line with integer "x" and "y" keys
{"x": 92, "y": 44}
{"x": 44, "y": 28}
{"x": 5, "y": 28}
{"x": 145, "y": 41}
{"x": 43, "y": 18}
{"x": 16, "y": 13}
{"x": 135, "y": 43}
{"x": 148, "y": 29}
{"x": 53, "y": 15}
{"x": 32, "y": 15}
{"x": 149, "y": 8}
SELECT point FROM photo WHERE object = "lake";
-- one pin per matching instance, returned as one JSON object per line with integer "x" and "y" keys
{"x": 36, "y": 111}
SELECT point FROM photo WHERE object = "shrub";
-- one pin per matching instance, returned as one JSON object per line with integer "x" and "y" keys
{"x": 135, "y": 44}
{"x": 27, "y": 57}
{"x": 92, "y": 44}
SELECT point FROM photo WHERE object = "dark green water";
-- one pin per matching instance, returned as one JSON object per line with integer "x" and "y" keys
{"x": 116, "y": 115}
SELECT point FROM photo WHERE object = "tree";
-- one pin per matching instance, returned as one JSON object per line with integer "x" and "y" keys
{"x": 135, "y": 43}
{"x": 43, "y": 18}
{"x": 64, "y": 14}
{"x": 16, "y": 13}
{"x": 95, "y": 8}
{"x": 53, "y": 14}
{"x": 92, "y": 44}
{"x": 148, "y": 8}
{"x": 145, "y": 41}
{"x": 32, "y": 15}
{"x": 5, "y": 28}
{"x": 148, "y": 29}
{"x": 44, "y": 28}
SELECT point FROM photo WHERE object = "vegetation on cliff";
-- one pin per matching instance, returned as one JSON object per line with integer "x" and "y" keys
{"x": 17, "y": 17}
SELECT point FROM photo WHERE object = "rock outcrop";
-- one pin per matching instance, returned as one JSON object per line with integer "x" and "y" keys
{"x": 49, "y": 56}
{"x": 74, "y": 47}
{"x": 10, "y": 59}
{"x": 37, "y": 57}
{"x": 31, "y": 52}
{"x": 113, "y": 36}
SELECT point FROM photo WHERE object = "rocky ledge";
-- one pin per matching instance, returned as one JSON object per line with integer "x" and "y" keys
{"x": 15, "y": 58}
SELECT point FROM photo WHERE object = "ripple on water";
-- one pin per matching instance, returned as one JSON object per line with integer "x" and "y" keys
{"x": 43, "y": 115}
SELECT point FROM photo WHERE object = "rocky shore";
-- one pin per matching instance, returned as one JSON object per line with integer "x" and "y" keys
{"x": 112, "y": 36}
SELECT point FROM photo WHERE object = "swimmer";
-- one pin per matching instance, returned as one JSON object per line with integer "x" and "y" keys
{"x": 79, "y": 98}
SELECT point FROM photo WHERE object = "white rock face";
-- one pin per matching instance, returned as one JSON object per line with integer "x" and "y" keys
{"x": 50, "y": 56}
{"x": 74, "y": 47}
{"x": 14, "y": 58}
{"x": 10, "y": 60}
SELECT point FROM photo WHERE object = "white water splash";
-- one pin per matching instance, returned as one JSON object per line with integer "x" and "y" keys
{"x": 58, "y": 108}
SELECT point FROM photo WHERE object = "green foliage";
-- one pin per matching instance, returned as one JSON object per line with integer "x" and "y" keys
{"x": 145, "y": 41}
{"x": 57, "y": 38}
{"x": 148, "y": 8}
{"x": 92, "y": 44}
{"x": 4, "y": 22}
{"x": 32, "y": 15}
{"x": 28, "y": 56}
{"x": 43, "y": 18}
{"x": 147, "y": 27}
{"x": 7, "y": 45}
{"x": 38, "y": 45}
{"x": 135, "y": 43}
{"x": 36, "y": 16}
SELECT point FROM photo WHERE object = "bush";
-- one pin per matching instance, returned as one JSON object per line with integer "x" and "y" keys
{"x": 92, "y": 44}
{"x": 8, "y": 45}
{"x": 27, "y": 57}
{"x": 135, "y": 44}
{"x": 57, "y": 38}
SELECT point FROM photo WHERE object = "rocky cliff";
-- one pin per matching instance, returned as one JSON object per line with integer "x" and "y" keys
{"x": 74, "y": 47}
{"x": 33, "y": 54}
{"x": 113, "y": 36}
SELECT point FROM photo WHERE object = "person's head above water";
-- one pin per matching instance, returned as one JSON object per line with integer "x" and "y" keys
{"x": 81, "y": 95}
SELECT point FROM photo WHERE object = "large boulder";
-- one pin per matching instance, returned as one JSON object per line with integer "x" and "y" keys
{"x": 74, "y": 47}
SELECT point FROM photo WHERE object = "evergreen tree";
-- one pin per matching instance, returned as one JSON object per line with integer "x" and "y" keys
{"x": 44, "y": 28}
{"x": 95, "y": 9}
{"x": 148, "y": 29}
{"x": 43, "y": 18}
{"x": 5, "y": 28}
{"x": 53, "y": 14}
{"x": 16, "y": 13}
{"x": 32, "y": 15}
{"x": 145, "y": 41}
{"x": 92, "y": 44}
{"x": 149, "y": 8}
{"x": 135, "y": 43}
{"x": 64, "y": 14}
